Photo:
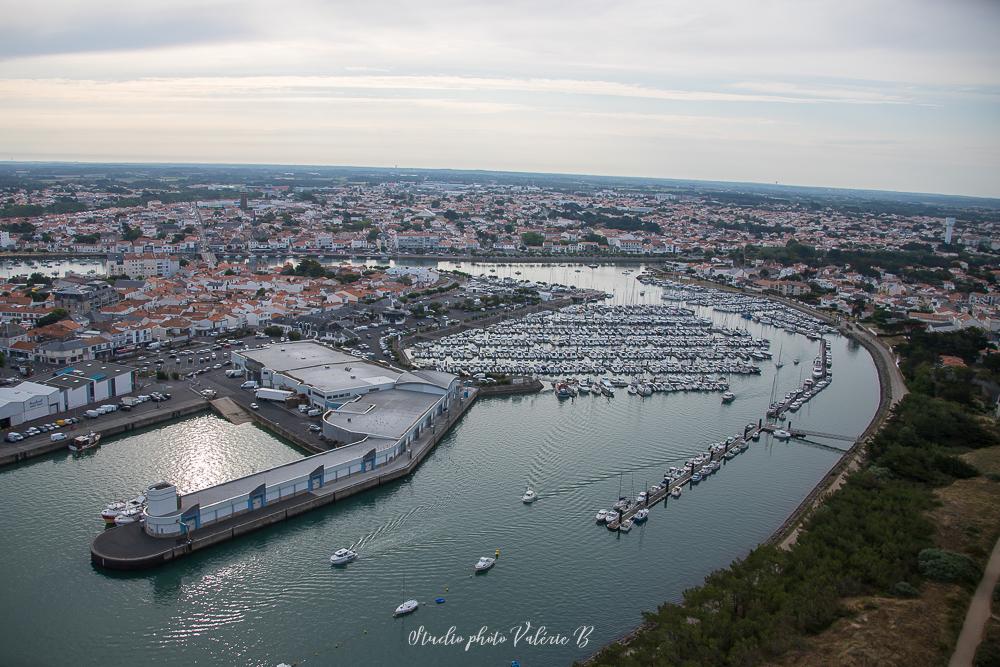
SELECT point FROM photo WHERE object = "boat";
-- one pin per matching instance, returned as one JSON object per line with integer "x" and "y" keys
{"x": 82, "y": 443}
{"x": 728, "y": 397}
{"x": 110, "y": 512}
{"x": 782, "y": 434}
{"x": 675, "y": 492}
{"x": 529, "y": 496}
{"x": 343, "y": 557}
{"x": 405, "y": 608}
{"x": 625, "y": 525}
{"x": 602, "y": 515}
{"x": 795, "y": 361}
{"x": 563, "y": 390}
{"x": 641, "y": 515}
{"x": 484, "y": 563}
{"x": 611, "y": 517}
{"x": 130, "y": 515}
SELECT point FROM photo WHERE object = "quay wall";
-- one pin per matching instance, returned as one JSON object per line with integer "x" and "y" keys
{"x": 107, "y": 426}
{"x": 129, "y": 548}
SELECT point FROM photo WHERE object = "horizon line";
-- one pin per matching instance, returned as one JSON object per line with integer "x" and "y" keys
{"x": 995, "y": 199}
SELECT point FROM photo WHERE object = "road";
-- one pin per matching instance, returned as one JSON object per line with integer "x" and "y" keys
{"x": 978, "y": 614}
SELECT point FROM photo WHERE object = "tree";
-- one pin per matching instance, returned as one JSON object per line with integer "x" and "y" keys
{"x": 56, "y": 315}
{"x": 261, "y": 293}
{"x": 294, "y": 335}
{"x": 273, "y": 331}
{"x": 229, "y": 272}
{"x": 532, "y": 239}
{"x": 130, "y": 233}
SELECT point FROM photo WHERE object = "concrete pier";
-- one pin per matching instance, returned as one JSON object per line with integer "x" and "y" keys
{"x": 108, "y": 425}
{"x": 130, "y": 548}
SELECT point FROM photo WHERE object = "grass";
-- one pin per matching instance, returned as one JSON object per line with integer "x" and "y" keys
{"x": 921, "y": 631}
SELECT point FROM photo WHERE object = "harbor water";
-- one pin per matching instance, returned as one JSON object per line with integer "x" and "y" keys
{"x": 272, "y": 597}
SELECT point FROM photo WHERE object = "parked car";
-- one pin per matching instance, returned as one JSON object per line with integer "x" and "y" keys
{"x": 32, "y": 431}
{"x": 315, "y": 428}
{"x": 13, "y": 436}
{"x": 255, "y": 406}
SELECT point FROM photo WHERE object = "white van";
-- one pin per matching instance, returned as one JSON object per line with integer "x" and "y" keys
{"x": 315, "y": 412}
{"x": 110, "y": 407}
{"x": 56, "y": 437}
{"x": 303, "y": 407}
{"x": 249, "y": 384}
{"x": 92, "y": 414}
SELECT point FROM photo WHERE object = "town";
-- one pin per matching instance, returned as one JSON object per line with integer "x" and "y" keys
{"x": 170, "y": 254}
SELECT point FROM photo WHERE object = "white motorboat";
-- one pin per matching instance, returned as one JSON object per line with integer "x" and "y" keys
{"x": 343, "y": 557}
{"x": 728, "y": 397}
{"x": 484, "y": 563}
{"x": 641, "y": 515}
{"x": 782, "y": 434}
{"x": 128, "y": 516}
{"x": 601, "y": 516}
{"x": 529, "y": 496}
{"x": 625, "y": 525}
{"x": 675, "y": 492}
{"x": 405, "y": 608}
{"x": 611, "y": 517}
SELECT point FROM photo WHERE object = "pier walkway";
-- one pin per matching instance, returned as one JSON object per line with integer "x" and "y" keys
{"x": 725, "y": 455}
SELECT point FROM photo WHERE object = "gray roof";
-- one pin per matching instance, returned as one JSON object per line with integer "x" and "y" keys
{"x": 289, "y": 356}
{"x": 283, "y": 473}
{"x": 388, "y": 414}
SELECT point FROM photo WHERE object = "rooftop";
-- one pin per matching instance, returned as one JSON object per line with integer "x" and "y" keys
{"x": 387, "y": 414}
{"x": 282, "y": 357}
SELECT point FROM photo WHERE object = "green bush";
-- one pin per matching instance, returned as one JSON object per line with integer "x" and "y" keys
{"x": 948, "y": 566}
{"x": 905, "y": 589}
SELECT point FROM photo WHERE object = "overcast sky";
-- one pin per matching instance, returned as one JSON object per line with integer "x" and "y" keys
{"x": 896, "y": 94}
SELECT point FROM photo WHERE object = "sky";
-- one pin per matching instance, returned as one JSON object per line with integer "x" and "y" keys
{"x": 882, "y": 94}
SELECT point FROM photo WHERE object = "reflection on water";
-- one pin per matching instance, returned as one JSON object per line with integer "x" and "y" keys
{"x": 272, "y": 596}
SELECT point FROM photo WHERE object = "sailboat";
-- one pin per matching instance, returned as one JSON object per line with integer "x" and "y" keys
{"x": 407, "y": 607}
{"x": 779, "y": 363}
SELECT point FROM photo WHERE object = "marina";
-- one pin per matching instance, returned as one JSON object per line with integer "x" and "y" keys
{"x": 253, "y": 597}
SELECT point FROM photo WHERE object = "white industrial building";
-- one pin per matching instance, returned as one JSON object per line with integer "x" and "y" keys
{"x": 69, "y": 388}
{"x": 27, "y": 401}
{"x": 376, "y": 412}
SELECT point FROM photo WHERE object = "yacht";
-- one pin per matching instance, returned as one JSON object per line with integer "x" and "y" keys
{"x": 484, "y": 563}
{"x": 675, "y": 492}
{"x": 529, "y": 496}
{"x": 728, "y": 397}
{"x": 611, "y": 517}
{"x": 641, "y": 515}
{"x": 602, "y": 516}
{"x": 625, "y": 525}
{"x": 130, "y": 515}
{"x": 343, "y": 557}
{"x": 407, "y": 607}
{"x": 782, "y": 434}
